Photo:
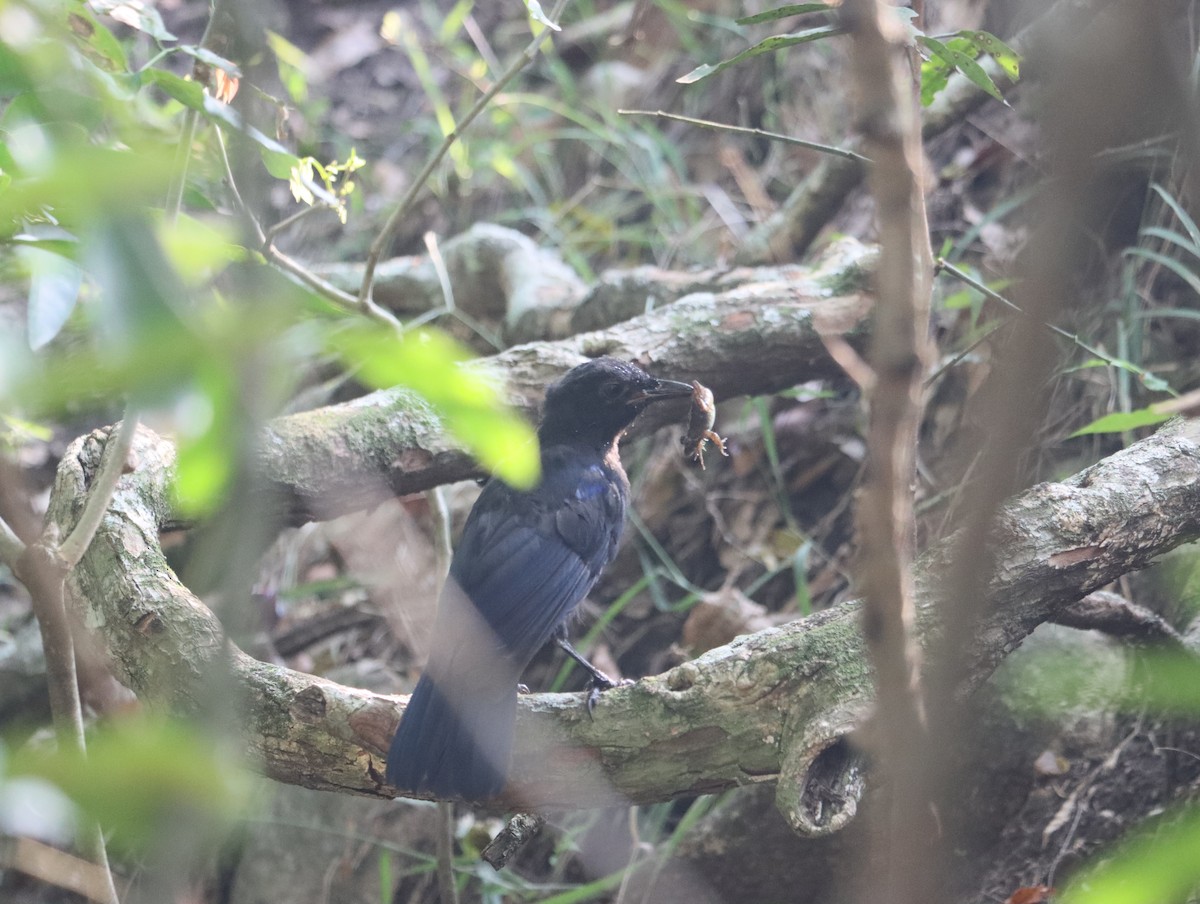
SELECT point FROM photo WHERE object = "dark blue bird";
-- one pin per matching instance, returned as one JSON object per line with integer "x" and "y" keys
{"x": 525, "y": 561}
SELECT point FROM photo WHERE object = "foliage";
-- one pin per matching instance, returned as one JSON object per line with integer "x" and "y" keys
{"x": 959, "y": 52}
{"x": 120, "y": 209}
{"x": 160, "y": 299}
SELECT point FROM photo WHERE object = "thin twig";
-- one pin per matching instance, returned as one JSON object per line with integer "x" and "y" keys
{"x": 1112, "y": 361}
{"x": 325, "y": 289}
{"x": 744, "y": 130}
{"x": 888, "y": 119}
{"x": 54, "y": 867}
{"x": 445, "y": 822}
{"x": 237, "y": 195}
{"x": 11, "y": 546}
{"x": 44, "y": 573}
{"x": 384, "y": 239}
{"x": 289, "y": 221}
{"x": 183, "y": 155}
{"x": 449, "y": 307}
{"x": 112, "y": 465}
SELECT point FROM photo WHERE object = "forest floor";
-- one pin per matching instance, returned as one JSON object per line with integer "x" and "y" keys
{"x": 759, "y": 538}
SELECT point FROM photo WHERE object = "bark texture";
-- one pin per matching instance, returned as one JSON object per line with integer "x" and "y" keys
{"x": 778, "y": 705}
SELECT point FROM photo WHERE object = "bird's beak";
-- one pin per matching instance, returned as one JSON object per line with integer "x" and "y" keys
{"x": 662, "y": 390}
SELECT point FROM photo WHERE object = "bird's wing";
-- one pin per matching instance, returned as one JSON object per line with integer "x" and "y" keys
{"x": 527, "y": 559}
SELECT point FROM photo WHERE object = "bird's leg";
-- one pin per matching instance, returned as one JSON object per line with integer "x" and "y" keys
{"x": 600, "y": 681}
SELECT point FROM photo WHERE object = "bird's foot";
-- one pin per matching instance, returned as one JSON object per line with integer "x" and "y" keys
{"x": 522, "y": 688}
{"x": 600, "y": 684}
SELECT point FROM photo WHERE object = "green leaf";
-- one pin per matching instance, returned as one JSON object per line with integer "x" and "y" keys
{"x": 430, "y": 362}
{"x": 964, "y": 63}
{"x": 962, "y": 299}
{"x": 188, "y": 92}
{"x": 1188, "y": 223}
{"x": 777, "y": 42}
{"x": 199, "y": 251}
{"x": 1159, "y": 864}
{"x": 100, "y": 45}
{"x": 537, "y": 15}
{"x": 1170, "y": 236}
{"x": 53, "y": 292}
{"x": 1120, "y": 421}
{"x": 141, "y": 16}
{"x": 292, "y": 62}
{"x": 207, "y": 437}
{"x": 78, "y": 181}
{"x": 935, "y": 75}
{"x": 278, "y": 159}
{"x": 204, "y": 55}
{"x": 1004, "y": 55}
{"x": 785, "y": 12}
{"x": 139, "y": 774}
{"x": 1176, "y": 267}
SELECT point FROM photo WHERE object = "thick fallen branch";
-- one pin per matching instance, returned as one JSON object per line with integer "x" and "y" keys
{"x": 776, "y": 705}
{"x": 753, "y": 339}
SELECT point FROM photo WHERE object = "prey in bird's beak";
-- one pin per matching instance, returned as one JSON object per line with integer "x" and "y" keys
{"x": 660, "y": 391}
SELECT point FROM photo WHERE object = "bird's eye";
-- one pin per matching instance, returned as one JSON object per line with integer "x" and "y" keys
{"x": 612, "y": 391}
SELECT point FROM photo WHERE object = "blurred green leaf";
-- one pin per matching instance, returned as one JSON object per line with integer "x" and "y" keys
{"x": 15, "y": 431}
{"x": 78, "y": 182}
{"x": 776, "y": 42}
{"x": 136, "y": 14}
{"x": 1120, "y": 421}
{"x": 53, "y": 291}
{"x": 473, "y": 407}
{"x": 785, "y": 12}
{"x": 187, "y": 91}
{"x": 1167, "y": 683}
{"x": 278, "y": 160}
{"x": 1159, "y": 865}
{"x": 206, "y": 428}
{"x": 199, "y": 250}
{"x": 204, "y": 55}
{"x": 537, "y": 15}
{"x": 291, "y": 61}
{"x": 140, "y": 774}
{"x": 100, "y": 45}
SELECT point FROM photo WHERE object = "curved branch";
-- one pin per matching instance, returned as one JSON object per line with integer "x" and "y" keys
{"x": 776, "y": 705}
{"x": 749, "y": 340}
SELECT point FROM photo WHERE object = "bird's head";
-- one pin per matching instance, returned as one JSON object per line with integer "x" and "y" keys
{"x": 595, "y": 402}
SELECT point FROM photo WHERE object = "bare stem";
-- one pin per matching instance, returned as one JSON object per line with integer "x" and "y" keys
{"x": 761, "y": 133}
{"x": 44, "y": 572}
{"x": 266, "y": 240}
{"x": 891, "y": 134}
{"x": 116, "y": 451}
{"x": 11, "y": 546}
{"x": 384, "y": 239}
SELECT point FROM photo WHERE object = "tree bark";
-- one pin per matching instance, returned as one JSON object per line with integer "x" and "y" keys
{"x": 778, "y": 705}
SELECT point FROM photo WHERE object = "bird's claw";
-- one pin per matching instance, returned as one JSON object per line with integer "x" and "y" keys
{"x": 600, "y": 684}
{"x": 522, "y": 688}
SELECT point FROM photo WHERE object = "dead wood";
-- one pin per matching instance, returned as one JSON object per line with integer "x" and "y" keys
{"x": 778, "y": 705}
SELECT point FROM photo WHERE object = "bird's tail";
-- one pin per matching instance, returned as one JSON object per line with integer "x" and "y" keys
{"x": 453, "y": 743}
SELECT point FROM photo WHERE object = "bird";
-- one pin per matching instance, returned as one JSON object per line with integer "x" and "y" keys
{"x": 524, "y": 562}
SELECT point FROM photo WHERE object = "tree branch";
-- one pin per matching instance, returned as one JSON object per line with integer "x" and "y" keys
{"x": 750, "y": 340}
{"x": 714, "y": 723}
{"x": 884, "y": 517}
{"x": 116, "y": 452}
